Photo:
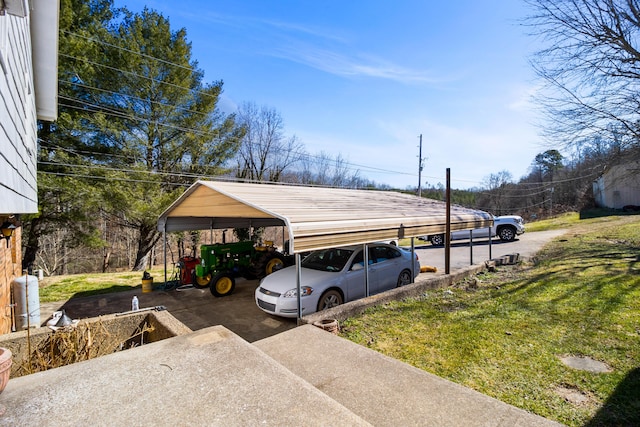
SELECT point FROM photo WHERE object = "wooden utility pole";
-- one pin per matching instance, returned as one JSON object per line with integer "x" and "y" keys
{"x": 420, "y": 169}
{"x": 447, "y": 233}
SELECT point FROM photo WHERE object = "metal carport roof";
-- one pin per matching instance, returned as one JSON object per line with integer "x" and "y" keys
{"x": 315, "y": 217}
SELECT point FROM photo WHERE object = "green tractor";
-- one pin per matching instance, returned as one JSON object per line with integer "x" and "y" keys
{"x": 221, "y": 263}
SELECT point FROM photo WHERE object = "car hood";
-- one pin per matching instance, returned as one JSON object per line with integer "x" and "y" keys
{"x": 283, "y": 280}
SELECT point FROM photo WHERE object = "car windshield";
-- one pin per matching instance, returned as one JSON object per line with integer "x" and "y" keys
{"x": 327, "y": 259}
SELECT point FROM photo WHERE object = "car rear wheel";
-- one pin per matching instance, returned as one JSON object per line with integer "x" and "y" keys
{"x": 329, "y": 299}
{"x": 507, "y": 234}
{"x": 437, "y": 239}
{"x": 222, "y": 285}
{"x": 404, "y": 278}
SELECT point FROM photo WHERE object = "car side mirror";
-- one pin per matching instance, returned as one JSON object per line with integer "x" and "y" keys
{"x": 356, "y": 267}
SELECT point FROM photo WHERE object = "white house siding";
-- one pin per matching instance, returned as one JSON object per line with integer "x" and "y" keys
{"x": 618, "y": 187}
{"x": 18, "y": 140}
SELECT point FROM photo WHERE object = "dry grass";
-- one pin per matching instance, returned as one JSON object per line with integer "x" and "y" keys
{"x": 71, "y": 344}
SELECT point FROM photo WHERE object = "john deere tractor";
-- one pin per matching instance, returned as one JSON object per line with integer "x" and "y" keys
{"x": 221, "y": 263}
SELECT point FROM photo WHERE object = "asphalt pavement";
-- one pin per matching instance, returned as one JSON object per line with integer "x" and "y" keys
{"x": 464, "y": 254}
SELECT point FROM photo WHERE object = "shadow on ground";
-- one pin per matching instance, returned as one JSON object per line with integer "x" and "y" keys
{"x": 599, "y": 212}
{"x": 623, "y": 406}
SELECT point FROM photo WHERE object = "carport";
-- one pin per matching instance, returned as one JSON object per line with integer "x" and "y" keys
{"x": 314, "y": 217}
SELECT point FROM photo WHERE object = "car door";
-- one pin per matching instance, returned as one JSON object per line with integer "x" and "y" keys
{"x": 464, "y": 234}
{"x": 354, "y": 278}
{"x": 481, "y": 232}
{"x": 384, "y": 272}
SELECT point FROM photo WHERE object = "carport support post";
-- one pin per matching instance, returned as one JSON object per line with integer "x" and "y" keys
{"x": 299, "y": 287}
{"x": 365, "y": 258}
{"x": 490, "y": 240}
{"x": 164, "y": 239}
{"x": 413, "y": 259}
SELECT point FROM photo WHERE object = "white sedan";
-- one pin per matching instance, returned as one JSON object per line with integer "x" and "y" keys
{"x": 330, "y": 277}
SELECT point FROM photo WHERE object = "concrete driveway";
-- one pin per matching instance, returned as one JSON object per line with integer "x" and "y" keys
{"x": 198, "y": 309}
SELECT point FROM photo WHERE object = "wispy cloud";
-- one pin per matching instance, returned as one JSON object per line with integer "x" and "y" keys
{"x": 356, "y": 65}
{"x": 325, "y": 49}
{"x": 523, "y": 98}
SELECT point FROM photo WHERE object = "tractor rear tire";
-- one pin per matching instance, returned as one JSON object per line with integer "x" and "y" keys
{"x": 275, "y": 263}
{"x": 267, "y": 264}
{"x": 222, "y": 284}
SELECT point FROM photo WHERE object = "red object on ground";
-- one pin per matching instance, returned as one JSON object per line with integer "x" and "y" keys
{"x": 188, "y": 269}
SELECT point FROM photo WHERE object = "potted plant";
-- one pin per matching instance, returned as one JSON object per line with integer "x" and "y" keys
{"x": 5, "y": 367}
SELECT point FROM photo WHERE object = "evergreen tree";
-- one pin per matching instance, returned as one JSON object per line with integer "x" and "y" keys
{"x": 136, "y": 118}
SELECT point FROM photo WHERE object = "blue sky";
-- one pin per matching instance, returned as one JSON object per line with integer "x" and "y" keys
{"x": 365, "y": 78}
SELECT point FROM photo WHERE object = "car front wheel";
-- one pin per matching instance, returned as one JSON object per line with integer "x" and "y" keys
{"x": 437, "y": 239}
{"x": 329, "y": 299}
{"x": 507, "y": 234}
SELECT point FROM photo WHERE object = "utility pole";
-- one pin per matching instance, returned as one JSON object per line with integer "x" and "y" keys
{"x": 420, "y": 169}
{"x": 447, "y": 232}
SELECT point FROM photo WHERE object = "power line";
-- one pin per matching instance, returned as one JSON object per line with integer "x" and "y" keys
{"x": 176, "y": 107}
{"x": 125, "y": 170}
{"x": 189, "y": 68}
{"x": 95, "y": 108}
{"x": 134, "y": 74}
{"x": 210, "y": 178}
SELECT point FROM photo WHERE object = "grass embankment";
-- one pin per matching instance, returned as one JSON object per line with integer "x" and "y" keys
{"x": 503, "y": 333}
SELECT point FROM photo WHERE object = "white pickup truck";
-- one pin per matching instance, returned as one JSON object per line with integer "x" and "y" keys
{"x": 506, "y": 227}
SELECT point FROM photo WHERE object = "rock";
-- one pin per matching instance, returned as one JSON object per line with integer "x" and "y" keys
{"x": 585, "y": 364}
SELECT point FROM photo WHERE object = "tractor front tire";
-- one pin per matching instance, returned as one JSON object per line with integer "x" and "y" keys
{"x": 222, "y": 284}
{"x": 202, "y": 282}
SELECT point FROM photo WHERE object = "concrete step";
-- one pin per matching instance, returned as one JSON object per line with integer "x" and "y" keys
{"x": 210, "y": 377}
{"x": 304, "y": 376}
{"x": 384, "y": 391}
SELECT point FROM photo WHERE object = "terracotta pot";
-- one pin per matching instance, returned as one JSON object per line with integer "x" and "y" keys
{"x": 330, "y": 325}
{"x": 5, "y": 367}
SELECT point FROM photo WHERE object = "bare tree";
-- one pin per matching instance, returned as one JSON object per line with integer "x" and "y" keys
{"x": 266, "y": 153}
{"x": 325, "y": 169}
{"x": 591, "y": 67}
{"x": 496, "y": 191}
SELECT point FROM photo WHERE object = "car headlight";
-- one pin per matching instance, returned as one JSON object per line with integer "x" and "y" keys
{"x": 293, "y": 293}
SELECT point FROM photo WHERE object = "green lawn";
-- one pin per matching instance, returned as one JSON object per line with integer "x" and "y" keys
{"x": 504, "y": 333}
{"x": 61, "y": 288}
